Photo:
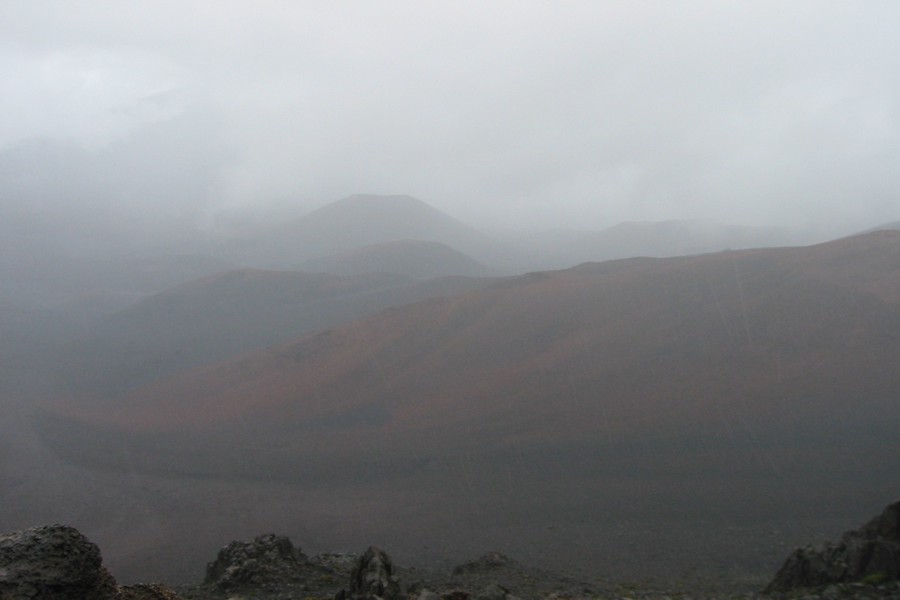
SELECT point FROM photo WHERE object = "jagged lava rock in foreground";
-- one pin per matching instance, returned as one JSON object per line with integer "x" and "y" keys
{"x": 56, "y": 562}
{"x": 871, "y": 553}
{"x": 373, "y": 578}
{"x": 268, "y": 559}
{"x": 51, "y": 562}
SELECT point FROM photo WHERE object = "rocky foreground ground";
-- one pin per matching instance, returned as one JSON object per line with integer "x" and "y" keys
{"x": 57, "y": 562}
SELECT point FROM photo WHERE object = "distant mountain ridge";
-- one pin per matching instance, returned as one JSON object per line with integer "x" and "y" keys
{"x": 658, "y": 239}
{"x": 412, "y": 258}
{"x": 521, "y": 319}
{"x": 884, "y": 226}
{"x": 680, "y": 238}
{"x": 224, "y": 315}
{"x": 364, "y": 220}
{"x": 370, "y": 220}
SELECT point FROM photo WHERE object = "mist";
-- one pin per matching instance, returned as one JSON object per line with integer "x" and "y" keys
{"x": 161, "y": 120}
{"x": 576, "y": 281}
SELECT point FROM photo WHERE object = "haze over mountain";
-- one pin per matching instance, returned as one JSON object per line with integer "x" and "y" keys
{"x": 892, "y": 225}
{"x": 575, "y": 116}
{"x": 50, "y": 299}
{"x": 681, "y": 238}
{"x": 553, "y": 406}
{"x": 67, "y": 283}
{"x": 363, "y": 220}
{"x": 344, "y": 227}
{"x": 159, "y": 164}
{"x": 223, "y": 316}
{"x": 413, "y": 258}
{"x": 561, "y": 248}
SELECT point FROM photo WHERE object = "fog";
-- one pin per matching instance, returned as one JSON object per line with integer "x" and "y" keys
{"x": 338, "y": 270}
{"x": 121, "y": 122}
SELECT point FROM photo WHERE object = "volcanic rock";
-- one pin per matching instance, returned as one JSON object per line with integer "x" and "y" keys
{"x": 373, "y": 578}
{"x": 53, "y": 562}
{"x": 267, "y": 560}
{"x": 870, "y": 553}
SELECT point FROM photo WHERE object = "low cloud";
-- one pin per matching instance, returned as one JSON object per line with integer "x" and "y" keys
{"x": 518, "y": 114}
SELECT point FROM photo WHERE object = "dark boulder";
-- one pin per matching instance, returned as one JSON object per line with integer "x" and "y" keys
{"x": 267, "y": 560}
{"x": 373, "y": 579}
{"x": 871, "y": 552}
{"x": 50, "y": 563}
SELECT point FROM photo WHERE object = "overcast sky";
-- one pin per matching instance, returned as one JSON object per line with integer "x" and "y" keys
{"x": 539, "y": 114}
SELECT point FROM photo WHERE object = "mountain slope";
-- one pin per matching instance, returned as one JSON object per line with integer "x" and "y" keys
{"x": 562, "y": 248}
{"x": 224, "y": 315}
{"x": 707, "y": 410}
{"x": 749, "y": 344}
{"x": 412, "y": 258}
{"x": 679, "y": 238}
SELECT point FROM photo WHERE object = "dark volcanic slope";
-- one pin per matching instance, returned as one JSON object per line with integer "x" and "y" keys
{"x": 766, "y": 333}
{"x": 610, "y": 403}
{"x": 413, "y": 258}
{"x": 222, "y": 316}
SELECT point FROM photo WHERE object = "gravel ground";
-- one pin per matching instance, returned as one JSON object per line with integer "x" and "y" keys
{"x": 496, "y": 577}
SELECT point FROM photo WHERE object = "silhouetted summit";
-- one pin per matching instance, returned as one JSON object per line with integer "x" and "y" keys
{"x": 364, "y": 220}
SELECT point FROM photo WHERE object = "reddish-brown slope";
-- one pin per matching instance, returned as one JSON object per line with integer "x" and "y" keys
{"x": 219, "y": 317}
{"x": 729, "y": 344}
{"x": 645, "y": 415}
